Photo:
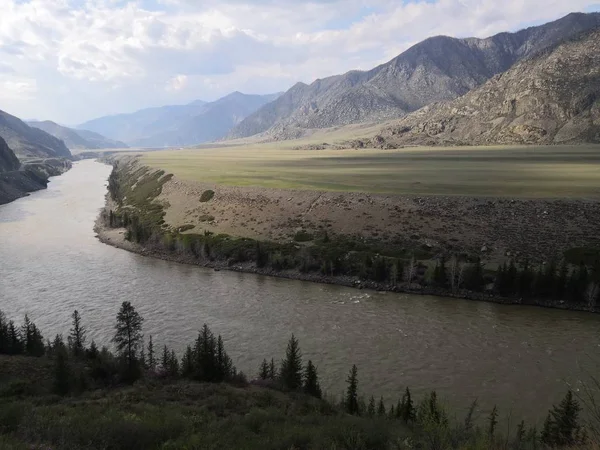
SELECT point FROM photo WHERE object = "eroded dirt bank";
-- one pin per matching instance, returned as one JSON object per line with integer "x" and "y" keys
{"x": 230, "y": 228}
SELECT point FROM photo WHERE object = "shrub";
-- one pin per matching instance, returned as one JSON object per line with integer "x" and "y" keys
{"x": 207, "y": 196}
{"x": 303, "y": 236}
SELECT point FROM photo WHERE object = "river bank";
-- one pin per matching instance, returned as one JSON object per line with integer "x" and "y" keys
{"x": 115, "y": 237}
{"x": 32, "y": 176}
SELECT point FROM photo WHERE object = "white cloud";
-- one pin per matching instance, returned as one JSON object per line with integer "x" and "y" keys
{"x": 75, "y": 59}
{"x": 177, "y": 83}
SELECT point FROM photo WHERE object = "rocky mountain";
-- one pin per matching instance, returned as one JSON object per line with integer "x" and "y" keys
{"x": 77, "y": 139}
{"x": 552, "y": 98}
{"x": 28, "y": 141}
{"x": 179, "y": 125}
{"x": 437, "y": 69}
{"x": 8, "y": 160}
{"x": 17, "y": 180}
{"x": 213, "y": 122}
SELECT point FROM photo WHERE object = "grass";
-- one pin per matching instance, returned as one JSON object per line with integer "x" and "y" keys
{"x": 527, "y": 172}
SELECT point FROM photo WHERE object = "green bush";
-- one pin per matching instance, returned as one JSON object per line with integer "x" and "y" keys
{"x": 303, "y": 236}
{"x": 207, "y": 196}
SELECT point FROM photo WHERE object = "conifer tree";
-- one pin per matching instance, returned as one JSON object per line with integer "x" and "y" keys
{"x": 440, "y": 276}
{"x": 151, "y": 358}
{"x": 351, "y": 402}
{"x": 520, "y": 436}
{"x": 561, "y": 428}
{"x": 62, "y": 372}
{"x": 263, "y": 371}
{"x": 187, "y": 363}
{"x": 173, "y": 364}
{"x": 77, "y": 335}
{"x": 15, "y": 346}
{"x": 223, "y": 362}
{"x": 474, "y": 279}
{"x": 33, "y": 342}
{"x": 92, "y": 352}
{"x": 128, "y": 337}
{"x": 205, "y": 352}
{"x": 407, "y": 409}
{"x": 291, "y": 367}
{"x": 272, "y": 370}
{"x": 165, "y": 360}
{"x": 311, "y": 381}
{"x": 492, "y": 422}
{"x": 381, "y": 408}
{"x": 392, "y": 413}
{"x": 371, "y": 407}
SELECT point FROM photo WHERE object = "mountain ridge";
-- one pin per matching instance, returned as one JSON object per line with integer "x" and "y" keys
{"x": 76, "y": 139}
{"x": 549, "y": 99}
{"x": 437, "y": 69}
{"x": 27, "y": 142}
{"x": 178, "y": 125}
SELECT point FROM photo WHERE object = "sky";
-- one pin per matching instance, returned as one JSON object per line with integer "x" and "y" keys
{"x": 74, "y": 60}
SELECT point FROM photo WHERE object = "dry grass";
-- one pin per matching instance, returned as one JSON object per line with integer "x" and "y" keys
{"x": 525, "y": 172}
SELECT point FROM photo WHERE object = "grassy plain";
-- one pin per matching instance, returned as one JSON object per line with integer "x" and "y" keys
{"x": 524, "y": 172}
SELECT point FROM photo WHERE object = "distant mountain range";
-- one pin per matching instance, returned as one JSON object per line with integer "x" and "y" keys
{"x": 77, "y": 139}
{"x": 179, "y": 125}
{"x": 550, "y": 99}
{"x": 438, "y": 69}
{"x": 27, "y": 142}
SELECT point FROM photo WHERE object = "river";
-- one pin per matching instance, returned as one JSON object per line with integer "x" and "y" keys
{"x": 518, "y": 357}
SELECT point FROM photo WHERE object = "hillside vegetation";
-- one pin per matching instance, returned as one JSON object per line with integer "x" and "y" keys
{"x": 68, "y": 394}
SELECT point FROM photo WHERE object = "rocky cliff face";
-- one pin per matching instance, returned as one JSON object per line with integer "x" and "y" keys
{"x": 437, "y": 69}
{"x": 8, "y": 160}
{"x": 552, "y": 98}
{"x": 27, "y": 141}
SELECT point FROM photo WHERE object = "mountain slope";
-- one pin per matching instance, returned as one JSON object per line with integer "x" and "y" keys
{"x": 437, "y": 69}
{"x": 77, "y": 139}
{"x": 8, "y": 160}
{"x": 27, "y": 141}
{"x": 143, "y": 123}
{"x": 552, "y": 98}
{"x": 214, "y": 121}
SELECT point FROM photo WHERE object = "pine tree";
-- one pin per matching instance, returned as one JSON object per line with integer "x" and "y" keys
{"x": 223, "y": 362}
{"x": 562, "y": 427}
{"x": 468, "y": 426}
{"x": 351, "y": 402}
{"x": 128, "y": 336}
{"x": 311, "y": 381}
{"x": 62, "y": 372}
{"x": 206, "y": 360}
{"x": 371, "y": 407}
{"x": 440, "y": 276}
{"x": 263, "y": 371}
{"x": 15, "y": 345}
{"x": 520, "y": 436}
{"x": 173, "y": 364}
{"x": 272, "y": 370}
{"x": 474, "y": 279}
{"x": 165, "y": 360}
{"x": 92, "y": 352}
{"x": 381, "y": 408}
{"x": 151, "y": 359}
{"x": 291, "y": 367}
{"x": 77, "y": 335}
{"x": 492, "y": 422}
{"x": 187, "y": 363}
{"x": 407, "y": 409}
{"x": 33, "y": 341}
{"x": 143, "y": 361}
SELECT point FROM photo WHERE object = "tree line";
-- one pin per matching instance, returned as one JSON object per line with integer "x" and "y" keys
{"x": 78, "y": 366}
